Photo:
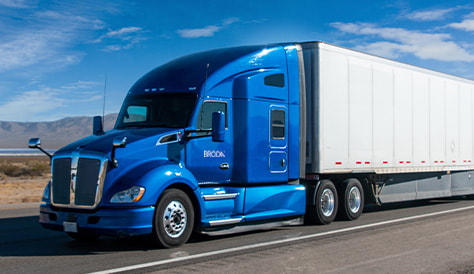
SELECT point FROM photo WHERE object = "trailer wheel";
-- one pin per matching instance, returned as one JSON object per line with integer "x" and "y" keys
{"x": 352, "y": 198}
{"x": 174, "y": 218}
{"x": 322, "y": 207}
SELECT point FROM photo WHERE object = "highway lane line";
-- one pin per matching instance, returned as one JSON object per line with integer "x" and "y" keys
{"x": 277, "y": 242}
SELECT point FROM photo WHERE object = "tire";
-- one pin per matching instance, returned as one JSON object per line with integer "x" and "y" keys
{"x": 352, "y": 200}
{"x": 322, "y": 205}
{"x": 83, "y": 237}
{"x": 174, "y": 218}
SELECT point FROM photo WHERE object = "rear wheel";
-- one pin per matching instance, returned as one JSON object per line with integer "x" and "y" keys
{"x": 174, "y": 218}
{"x": 352, "y": 200}
{"x": 322, "y": 207}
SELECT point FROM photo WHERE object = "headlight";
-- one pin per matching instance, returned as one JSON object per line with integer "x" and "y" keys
{"x": 130, "y": 195}
{"x": 46, "y": 192}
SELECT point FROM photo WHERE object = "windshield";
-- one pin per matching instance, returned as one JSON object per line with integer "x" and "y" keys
{"x": 169, "y": 110}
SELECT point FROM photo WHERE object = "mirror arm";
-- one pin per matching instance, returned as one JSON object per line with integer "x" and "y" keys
{"x": 45, "y": 152}
{"x": 36, "y": 143}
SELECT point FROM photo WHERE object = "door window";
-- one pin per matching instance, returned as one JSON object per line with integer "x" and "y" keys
{"x": 278, "y": 124}
{"x": 205, "y": 115}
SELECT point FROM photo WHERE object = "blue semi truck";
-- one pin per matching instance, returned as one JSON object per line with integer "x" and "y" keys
{"x": 256, "y": 134}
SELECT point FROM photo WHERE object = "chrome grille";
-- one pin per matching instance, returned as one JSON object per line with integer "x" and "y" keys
{"x": 62, "y": 180}
{"x": 78, "y": 180}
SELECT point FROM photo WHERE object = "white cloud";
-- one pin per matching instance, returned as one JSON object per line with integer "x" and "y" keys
{"x": 207, "y": 31}
{"x": 72, "y": 21}
{"x": 124, "y": 38}
{"x": 47, "y": 38}
{"x": 230, "y": 21}
{"x": 31, "y": 105}
{"x": 47, "y": 104}
{"x": 385, "y": 49}
{"x": 429, "y": 15}
{"x": 82, "y": 85}
{"x": 19, "y": 4}
{"x": 29, "y": 48}
{"x": 123, "y": 32}
{"x": 466, "y": 25}
{"x": 434, "y": 46}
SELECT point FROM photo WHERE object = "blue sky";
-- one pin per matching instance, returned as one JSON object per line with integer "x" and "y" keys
{"x": 55, "y": 55}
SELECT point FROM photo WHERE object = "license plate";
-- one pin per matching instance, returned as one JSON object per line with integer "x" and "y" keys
{"x": 70, "y": 227}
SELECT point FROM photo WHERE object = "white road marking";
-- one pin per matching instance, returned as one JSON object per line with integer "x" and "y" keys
{"x": 277, "y": 242}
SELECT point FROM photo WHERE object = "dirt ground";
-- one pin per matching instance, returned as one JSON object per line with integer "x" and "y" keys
{"x": 31, "y": 174}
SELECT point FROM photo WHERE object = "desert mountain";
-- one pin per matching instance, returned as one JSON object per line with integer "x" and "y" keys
{"x": 53, "y": 135}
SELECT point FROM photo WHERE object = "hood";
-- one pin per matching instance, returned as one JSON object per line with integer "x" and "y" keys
{"x": 103, "y": 143}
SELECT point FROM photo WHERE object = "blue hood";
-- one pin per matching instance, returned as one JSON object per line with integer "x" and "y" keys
{"x": 103, "y": 143}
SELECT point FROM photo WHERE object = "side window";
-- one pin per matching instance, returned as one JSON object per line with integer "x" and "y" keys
{"x": 278, "y": 124}
{"x": 205, "y": 115}
{"x": 275, "y": 80}
{"x": 135, "y": 114}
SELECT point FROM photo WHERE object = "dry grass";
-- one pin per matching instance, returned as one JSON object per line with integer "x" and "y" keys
{"x": 22, "y": 179}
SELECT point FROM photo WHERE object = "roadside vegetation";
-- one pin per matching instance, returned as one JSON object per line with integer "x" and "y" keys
{"x": 29, "y": 169}
{"x": 22, "y": 179}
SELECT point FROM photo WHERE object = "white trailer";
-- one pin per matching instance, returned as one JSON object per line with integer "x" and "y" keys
{"x": 405, "y": 132}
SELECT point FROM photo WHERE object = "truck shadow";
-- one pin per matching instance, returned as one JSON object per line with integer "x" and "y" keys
{"x": 25, "y": 237}
{"x": 411, "y": 204}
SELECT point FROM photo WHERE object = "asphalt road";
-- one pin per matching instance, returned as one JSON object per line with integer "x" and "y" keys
{"x": 389, "y": 239}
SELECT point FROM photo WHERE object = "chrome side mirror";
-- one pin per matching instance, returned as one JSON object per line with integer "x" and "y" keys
{"x": 118, "y": 142}
{"x": 36, "y": 143}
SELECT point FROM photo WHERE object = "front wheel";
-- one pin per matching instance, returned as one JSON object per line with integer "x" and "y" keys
{"x": 322, "y": 207}
{"x": 174, "y": 218}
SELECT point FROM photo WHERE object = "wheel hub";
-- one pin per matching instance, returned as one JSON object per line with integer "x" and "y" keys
{"x": 174, "y": 219}
{"x": 354, "y": 199}
{"x": 327, "y": 202}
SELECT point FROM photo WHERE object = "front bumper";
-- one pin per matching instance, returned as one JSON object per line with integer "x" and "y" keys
{"x": 119, "y": 222}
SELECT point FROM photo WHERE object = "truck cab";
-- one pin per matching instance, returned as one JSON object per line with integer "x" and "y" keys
{"x": 206, "y": 142}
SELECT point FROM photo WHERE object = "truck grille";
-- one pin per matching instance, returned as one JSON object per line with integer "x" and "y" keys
{"x": 78, "y": 181}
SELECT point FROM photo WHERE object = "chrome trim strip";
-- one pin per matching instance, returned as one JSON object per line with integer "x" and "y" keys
{"x": 225, "y": 222}
{"x": 178, "y": 139}
{"x": 72, "y": 187}
{"x": 214, "y": 197}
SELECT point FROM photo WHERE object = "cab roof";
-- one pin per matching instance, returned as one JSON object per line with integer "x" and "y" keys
{"x": 188, "y": 73}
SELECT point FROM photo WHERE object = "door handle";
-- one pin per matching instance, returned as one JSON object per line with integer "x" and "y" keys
{"x": 224, "y": 166}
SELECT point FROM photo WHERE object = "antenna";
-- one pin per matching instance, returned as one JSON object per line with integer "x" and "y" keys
{"x": 207, "y": 72}
{"x": 103, "y": 104}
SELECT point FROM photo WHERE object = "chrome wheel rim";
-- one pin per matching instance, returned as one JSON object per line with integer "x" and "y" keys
{"x": 354, "y": 199}
{"x": 327, "y": 202}
{"x": 174, "y": 219}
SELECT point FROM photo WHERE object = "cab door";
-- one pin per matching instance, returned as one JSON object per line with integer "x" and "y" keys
{"x": 210, "y": 162}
